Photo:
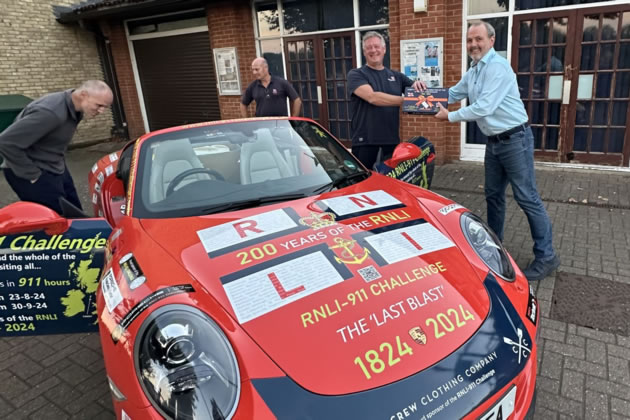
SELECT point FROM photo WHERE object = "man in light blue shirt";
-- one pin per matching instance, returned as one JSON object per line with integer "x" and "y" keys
{"x": 495, "y": 105}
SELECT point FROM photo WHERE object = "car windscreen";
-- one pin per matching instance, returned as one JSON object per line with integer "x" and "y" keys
{"x": 212, "y": 168}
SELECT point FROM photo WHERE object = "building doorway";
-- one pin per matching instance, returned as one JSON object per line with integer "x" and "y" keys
{"x": 573, "y": 71}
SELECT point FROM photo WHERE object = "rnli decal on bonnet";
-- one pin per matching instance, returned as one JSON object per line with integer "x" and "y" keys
{"x": 264, "y": 288}
{"x": 354, "y": 205}
{"x": 231, "y": 236}
{"x": 394, "y": 243}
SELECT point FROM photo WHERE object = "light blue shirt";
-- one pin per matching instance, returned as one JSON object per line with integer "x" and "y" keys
{"x": 493, "y": 96}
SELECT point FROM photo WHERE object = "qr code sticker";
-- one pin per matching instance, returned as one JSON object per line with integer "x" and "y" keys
{"x": 369, "y": 273}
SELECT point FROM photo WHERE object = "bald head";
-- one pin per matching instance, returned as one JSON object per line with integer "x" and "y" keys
{"x": 260, "y": 69}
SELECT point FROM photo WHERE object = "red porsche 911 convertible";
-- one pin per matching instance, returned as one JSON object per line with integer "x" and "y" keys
{"x": 256, "y": 270}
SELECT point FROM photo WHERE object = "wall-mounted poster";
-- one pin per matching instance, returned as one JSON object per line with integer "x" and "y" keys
{"x": 226, "y": 66}
{"x": 422, "y": 60}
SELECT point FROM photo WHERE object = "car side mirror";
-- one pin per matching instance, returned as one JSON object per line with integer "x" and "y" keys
{"x": 403, "y": 152}
{"x": 24, "y": 216}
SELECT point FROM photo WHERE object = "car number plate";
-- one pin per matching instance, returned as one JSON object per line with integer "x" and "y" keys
{"x": 502, "y": 409}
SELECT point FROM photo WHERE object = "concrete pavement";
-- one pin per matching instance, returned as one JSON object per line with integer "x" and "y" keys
{"x": 584, "y": 368}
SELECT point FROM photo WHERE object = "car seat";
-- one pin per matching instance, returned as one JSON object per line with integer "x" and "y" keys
{"x": 171, "y": 158}
{"x": 262, "y": 161}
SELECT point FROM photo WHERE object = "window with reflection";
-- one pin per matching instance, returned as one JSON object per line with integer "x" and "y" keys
{"x": 373, "y": 12}
{"x": 302, "y": 16}
{"x": 267, "y": 18}
{"x": 625, "y": 26}
{"x": 271, "y": 50}
{"x": 478, "y": 7}
{"x": 541, "y": 4}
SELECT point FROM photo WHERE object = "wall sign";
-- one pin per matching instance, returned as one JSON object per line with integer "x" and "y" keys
{"x": 422, "y": 59}
{"x": 226, "y": 66}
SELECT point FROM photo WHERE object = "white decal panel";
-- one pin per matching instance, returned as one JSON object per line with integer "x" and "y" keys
{"x": 356, "y": 203}
{"x": 407, "y": 242}
{"x": 111, "y": 292}
{"x": 269, "y": 289}
{"x": 242, "y": 230}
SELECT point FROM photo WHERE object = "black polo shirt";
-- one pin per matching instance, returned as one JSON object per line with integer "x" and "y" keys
{"x": 375, "y": 125}
{"x": 271, "y": 101}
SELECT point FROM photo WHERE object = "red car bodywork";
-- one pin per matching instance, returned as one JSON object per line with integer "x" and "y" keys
{"x": 358, "y": 333}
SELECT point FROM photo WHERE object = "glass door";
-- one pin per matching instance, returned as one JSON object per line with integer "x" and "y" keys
{"x": 318, "y": 66}
{"x": 573, "y": 71}
{"x": 601, "y": 91}
{"x": 303, "y": 74}
{"x": 542, "y": 53}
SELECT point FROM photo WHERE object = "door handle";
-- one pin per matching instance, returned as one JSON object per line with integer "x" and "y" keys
{"x": 319, "y": 95}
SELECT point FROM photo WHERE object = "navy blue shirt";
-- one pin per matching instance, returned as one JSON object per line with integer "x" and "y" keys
{"x": 375, "y": 125}
{"x": 271, "y": 101}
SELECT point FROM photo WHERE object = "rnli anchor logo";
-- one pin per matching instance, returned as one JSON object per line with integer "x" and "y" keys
{"x": 318, "y": 220}
{"x": 418, "y": 335}
{"x": 521, "y": 348}
{"x": 351, "y": 253}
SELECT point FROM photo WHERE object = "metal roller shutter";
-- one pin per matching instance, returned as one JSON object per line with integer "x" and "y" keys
{"x": 178, "y": 79}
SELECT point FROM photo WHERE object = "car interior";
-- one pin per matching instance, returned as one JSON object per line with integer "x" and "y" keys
{"x": 230, "y": 158}
{"x": 186, "y": 172}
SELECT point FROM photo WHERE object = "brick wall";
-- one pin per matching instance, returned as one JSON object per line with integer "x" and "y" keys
{"x": 231, "y": 25}
{"x": 115, "y": 32}
{"x": 442, "y": 19}
{"x": 39, "y": 55}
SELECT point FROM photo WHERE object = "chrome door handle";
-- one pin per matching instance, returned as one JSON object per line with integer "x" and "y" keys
{"x": 319, "y": 95}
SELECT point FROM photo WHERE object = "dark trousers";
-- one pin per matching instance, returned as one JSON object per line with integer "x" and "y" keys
{"x": 47, "y": 190}
{"x": 512, "y": 161}
{"x": 367, "y": 154}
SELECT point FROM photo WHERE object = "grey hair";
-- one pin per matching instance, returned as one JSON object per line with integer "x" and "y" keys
{"x": 373, "y": 34}
{"x": 489, "y": 28}
{"x": 94, "y": 86}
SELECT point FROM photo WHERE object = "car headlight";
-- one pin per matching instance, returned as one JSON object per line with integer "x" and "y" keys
{"x": 186, "y": 365}
{"x": 487, "y": 246}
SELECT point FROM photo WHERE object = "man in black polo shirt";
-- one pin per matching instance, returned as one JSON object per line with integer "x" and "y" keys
{"x": 376, "y": 96}
{"x": 270, "y": 93}
{"x": 34, "y": 146}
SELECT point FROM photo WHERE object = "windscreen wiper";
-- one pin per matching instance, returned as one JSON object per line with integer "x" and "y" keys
{"x": 253, "y": 202}
{"x": 342, "y": 179}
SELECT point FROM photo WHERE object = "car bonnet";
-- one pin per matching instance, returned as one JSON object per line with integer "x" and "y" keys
{"x": 345, "y": 293}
